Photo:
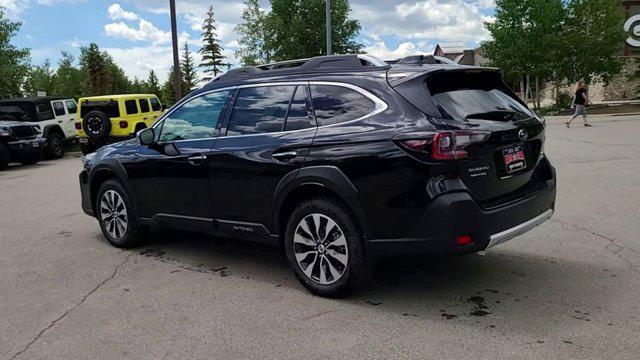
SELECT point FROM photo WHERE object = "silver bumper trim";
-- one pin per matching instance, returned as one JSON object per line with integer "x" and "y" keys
{"x": 504, "y": 236}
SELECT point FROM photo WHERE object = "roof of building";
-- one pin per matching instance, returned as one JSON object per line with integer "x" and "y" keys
{"x": 452, "y": 48}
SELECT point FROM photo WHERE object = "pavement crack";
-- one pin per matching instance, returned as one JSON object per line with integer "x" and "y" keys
{"x": 318, "y": 314}
{"x": 68, "y": 311}
{"x": 613, "y": 247}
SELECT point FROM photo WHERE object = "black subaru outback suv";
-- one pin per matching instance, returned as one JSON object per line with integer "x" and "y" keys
{"x": 337, "y": 159}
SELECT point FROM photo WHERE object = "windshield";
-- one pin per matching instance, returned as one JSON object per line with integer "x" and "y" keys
{"x": 464, "y": 96}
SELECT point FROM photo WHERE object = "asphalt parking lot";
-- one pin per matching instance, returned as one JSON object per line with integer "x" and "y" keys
{"x": 568, "y": 289}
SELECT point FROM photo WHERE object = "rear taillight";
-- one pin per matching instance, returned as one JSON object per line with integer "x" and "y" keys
{"x": 444, "y": 145}
{"x": 78, "y": 126}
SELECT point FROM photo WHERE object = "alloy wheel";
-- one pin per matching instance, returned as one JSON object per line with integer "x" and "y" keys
{"x": 56, "y": 146}
{"x": 320, "y": 249}
{"x": 113, "y": 214}
{"x": 94, "y": 125}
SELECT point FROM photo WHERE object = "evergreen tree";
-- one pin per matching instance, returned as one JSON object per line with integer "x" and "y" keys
{"x": 95, "y": 68}
{"x": 294, "y": 30}
{"x": 40, "y": 79}
{"x": 212, "y": 59}
{"x": 168, "y": 95}
{"x": 252, "y": 34}
{"x": 153, "y": 84}
{"x": 14, "y": 61}
{"x": 188, "y": 71}
{"x": 69, "y": 78}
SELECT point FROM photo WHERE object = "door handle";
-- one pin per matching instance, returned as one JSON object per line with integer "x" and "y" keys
{"x": 285, "y": 156}
{"x": 197, "y": 160}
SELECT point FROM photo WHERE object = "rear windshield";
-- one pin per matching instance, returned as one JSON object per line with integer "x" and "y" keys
{"x": 463, "y": 96}
{"x": 109, "y": 107}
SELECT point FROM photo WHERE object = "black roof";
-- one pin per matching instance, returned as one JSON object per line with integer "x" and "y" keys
{"x": 30, "y": 99}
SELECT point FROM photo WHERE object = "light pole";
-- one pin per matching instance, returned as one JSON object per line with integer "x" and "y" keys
{"x": 177, "y": 84}
{"x": 329, "y": 33}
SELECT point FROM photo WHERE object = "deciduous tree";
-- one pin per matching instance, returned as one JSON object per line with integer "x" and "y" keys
{"x": 251, "y": 49}
{"x": 14, "y": 61}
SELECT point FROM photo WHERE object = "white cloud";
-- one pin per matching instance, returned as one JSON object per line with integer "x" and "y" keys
{"x": 381, "y": 50}
{"x": 116, "y": 12}
{"x": 146, "y": 31}
{"x": 13, "y": 8}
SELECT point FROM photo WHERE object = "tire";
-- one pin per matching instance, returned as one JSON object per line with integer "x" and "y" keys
{"x": 122, "y": 231}
{"x": 326, "y": 256}
{"x": 5, "y": 156}
{"x": 96, "y": 124}
{"x": 55, "y": 145}
{"x": 32, "y": 159}
{"x": 87, "y": 149}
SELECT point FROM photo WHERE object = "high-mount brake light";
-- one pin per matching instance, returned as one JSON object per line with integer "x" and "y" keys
{"x": 445, "y": 145}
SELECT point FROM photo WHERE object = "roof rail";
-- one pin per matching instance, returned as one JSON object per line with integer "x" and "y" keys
{"x": 421, "y": 60}
{"x": 319, "y": 63}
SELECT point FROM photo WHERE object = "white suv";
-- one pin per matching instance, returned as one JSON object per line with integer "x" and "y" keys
{"x": 54, "y": 117}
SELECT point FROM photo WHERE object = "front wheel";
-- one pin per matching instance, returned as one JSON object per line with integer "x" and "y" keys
{"x": 324, "y": 247}
{"x": 55, "y": 146}
{"x": 115, "y": 215}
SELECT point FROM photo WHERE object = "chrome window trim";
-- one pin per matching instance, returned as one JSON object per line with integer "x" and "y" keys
{"x": 380, "y": 105}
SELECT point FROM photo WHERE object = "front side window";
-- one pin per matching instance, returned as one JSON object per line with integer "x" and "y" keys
{"x": 71, "y": 106}
{"x": 144, "y": 105}
{"x": 195, "y": 119}
{"x": 58, "y": 108}
{"x": 260, "y": 110}
{"x": 131, "y": 107}
{"x": 337, "y": 104}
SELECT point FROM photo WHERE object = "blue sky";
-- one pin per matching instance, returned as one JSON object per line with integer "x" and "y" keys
{"x": 136, "y": 32}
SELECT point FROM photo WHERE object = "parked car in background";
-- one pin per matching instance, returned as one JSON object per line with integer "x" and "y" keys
{"x": 337, "y": 159}
{"x": 54, "y": 117}
{"x": 20, "y": 142}
{"x": 112, "y": 118}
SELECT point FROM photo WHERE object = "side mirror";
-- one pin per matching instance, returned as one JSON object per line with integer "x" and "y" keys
{"x": 146, "y": 136}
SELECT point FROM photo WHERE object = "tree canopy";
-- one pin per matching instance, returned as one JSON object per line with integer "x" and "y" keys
{"x": 14, "y": 61}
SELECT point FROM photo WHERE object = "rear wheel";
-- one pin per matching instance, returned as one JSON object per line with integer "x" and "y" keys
{"x": 5, "y": 156}
{"x": 96, "y": 124}
{"x": 115, "y": 215}
{"x": 55, "y": 145}
{"x": 325, "y": 249}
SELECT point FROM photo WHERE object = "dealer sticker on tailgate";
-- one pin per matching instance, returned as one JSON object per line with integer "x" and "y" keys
{"x": 514, "y": 159}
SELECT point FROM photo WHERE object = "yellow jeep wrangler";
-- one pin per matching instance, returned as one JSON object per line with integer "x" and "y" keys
{"x": 112, "y": 118}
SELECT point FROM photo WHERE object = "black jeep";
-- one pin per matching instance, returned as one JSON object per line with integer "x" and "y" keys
{"x": 19, "y": 143}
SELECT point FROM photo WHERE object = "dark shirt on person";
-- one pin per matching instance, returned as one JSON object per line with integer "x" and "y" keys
{"x": 580, "y": 94}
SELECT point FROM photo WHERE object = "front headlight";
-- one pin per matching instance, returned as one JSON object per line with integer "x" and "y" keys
{"x": 88, "y": 160}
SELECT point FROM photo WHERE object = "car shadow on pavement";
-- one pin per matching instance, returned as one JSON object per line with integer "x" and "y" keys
{"x": 505, "y": 284}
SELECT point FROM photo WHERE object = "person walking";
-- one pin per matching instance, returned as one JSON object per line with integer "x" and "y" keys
{"x": 580, "y": 104}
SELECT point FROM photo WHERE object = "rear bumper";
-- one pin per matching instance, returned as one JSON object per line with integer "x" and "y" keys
{"x": 456, "y": 214}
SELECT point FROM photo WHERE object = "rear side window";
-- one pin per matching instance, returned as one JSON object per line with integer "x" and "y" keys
{"x": 58, "y": 108}
{"x": 71, "y": 106}
{"x": 44, "y": 111}
{"x": 337, "y": 104}
{"x": 131, "y": 107}
{"x": 144, "y": 105}
{"x": 298, "y": 117}
{"x": 463, "y": 96}
{"x": 260, "y": 110}
{"x": 155, "y": 104}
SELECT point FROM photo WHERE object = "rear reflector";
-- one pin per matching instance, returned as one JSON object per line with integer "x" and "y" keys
{"x": 124, "y": 124}
{"x": 464, "y": 240}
